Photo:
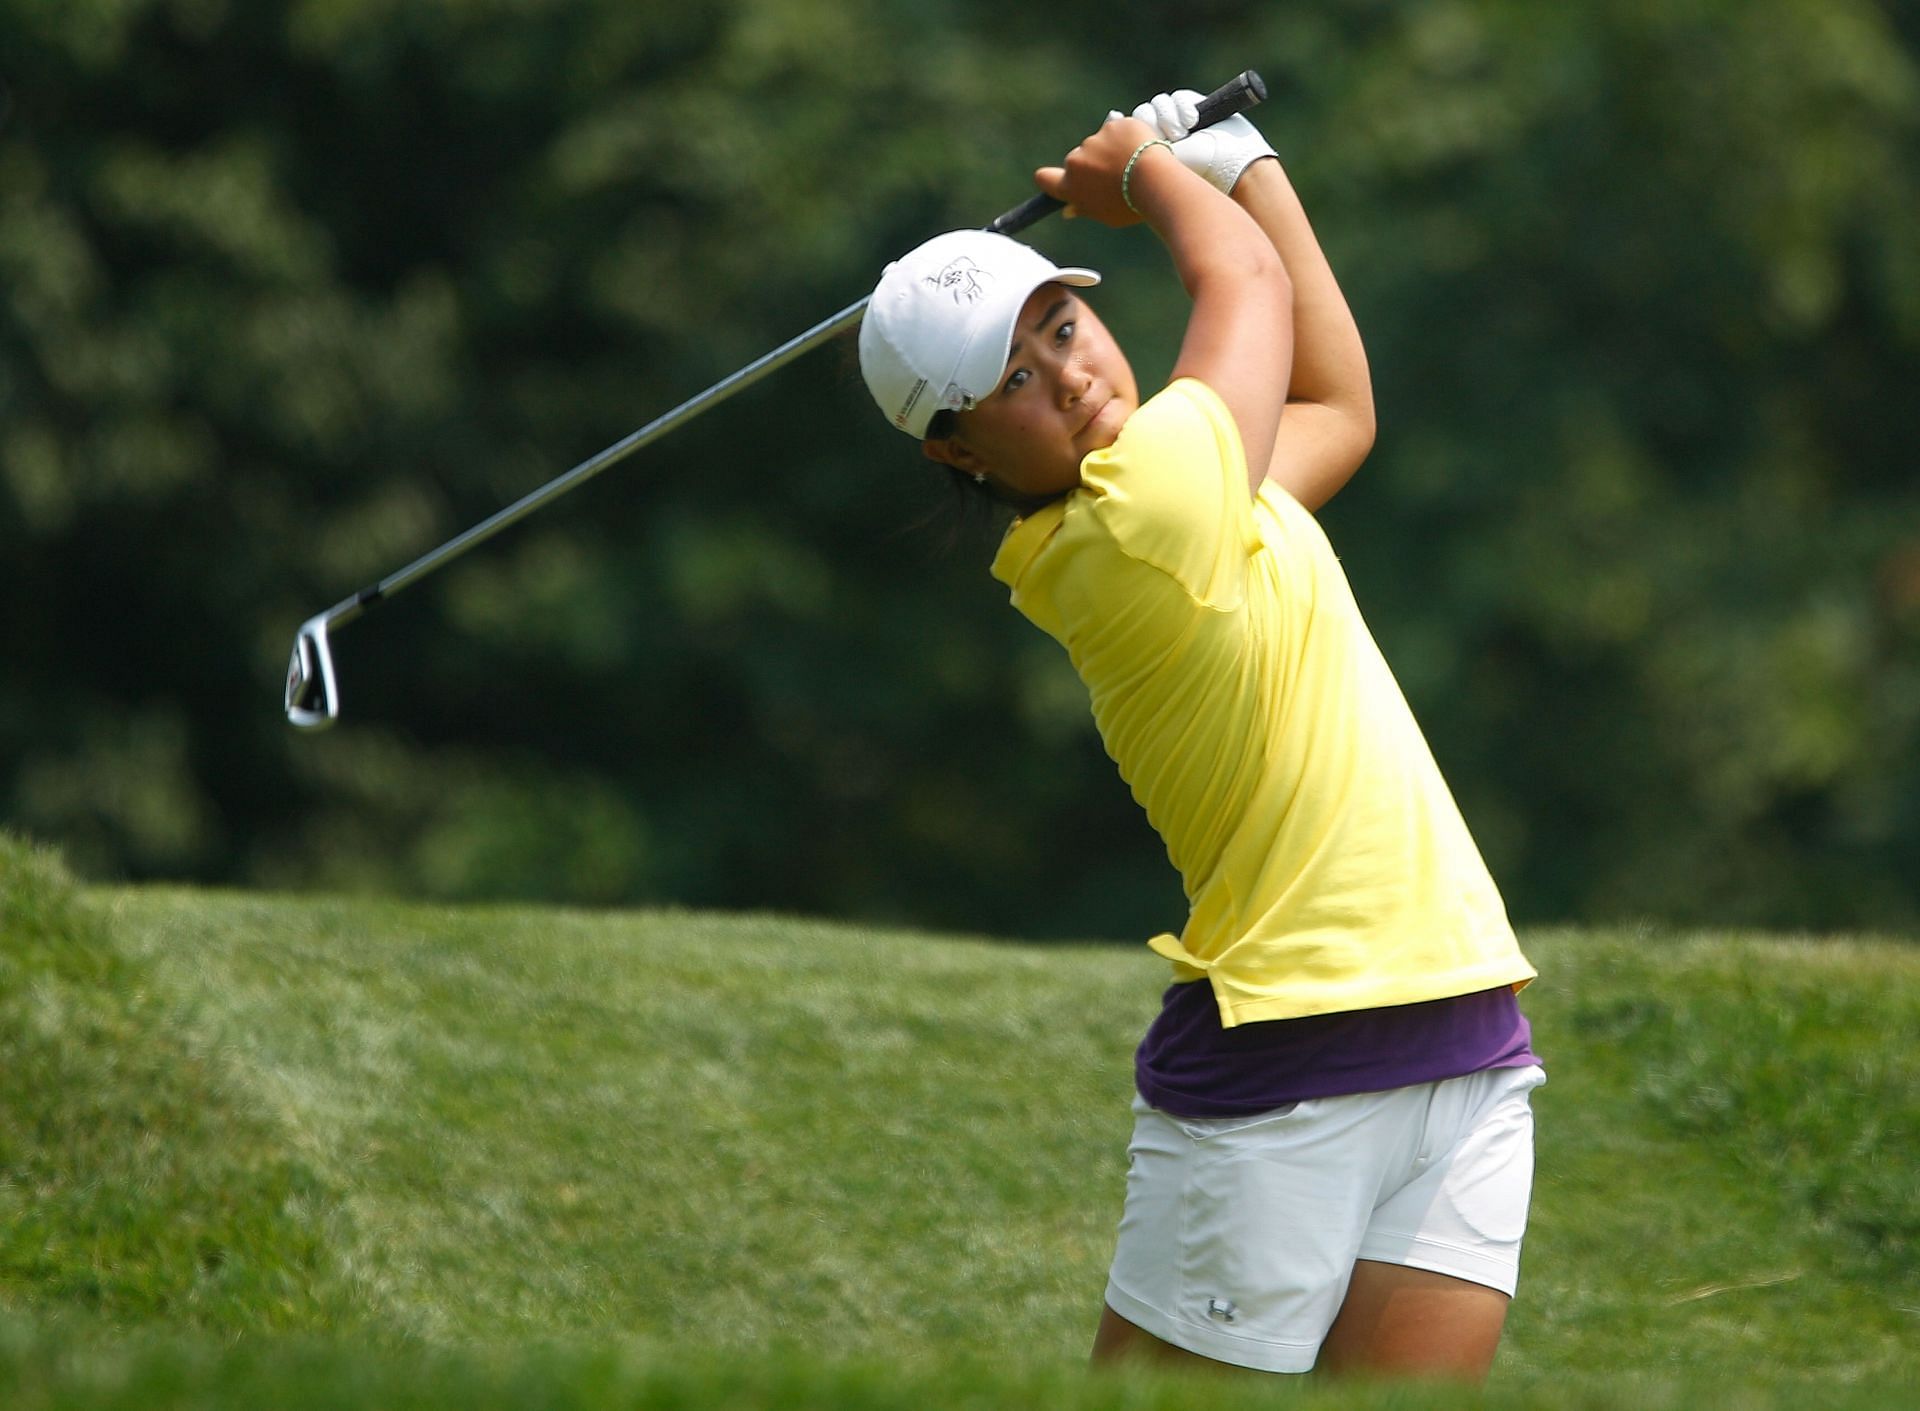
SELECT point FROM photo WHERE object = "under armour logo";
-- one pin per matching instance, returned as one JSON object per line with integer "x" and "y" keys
{"x": 1224, "y": 1311}
{"x": 962, "y": 279}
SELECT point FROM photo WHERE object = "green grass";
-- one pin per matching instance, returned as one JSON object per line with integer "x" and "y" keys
{"x": 362, "y": 1152}
{"x": 140, "y": 1177}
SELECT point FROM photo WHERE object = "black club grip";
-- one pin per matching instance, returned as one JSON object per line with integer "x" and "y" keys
{"x": 1234, "y": 96}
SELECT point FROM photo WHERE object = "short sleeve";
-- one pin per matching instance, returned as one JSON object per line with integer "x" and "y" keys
{"x": 1172, "y": 491}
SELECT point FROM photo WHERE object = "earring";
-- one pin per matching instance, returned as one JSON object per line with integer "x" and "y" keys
{"x": 979, "y": 477}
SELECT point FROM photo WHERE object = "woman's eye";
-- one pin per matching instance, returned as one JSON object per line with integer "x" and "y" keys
{"x": 1014, "y": 383}
{"x": 1064, "y": 332}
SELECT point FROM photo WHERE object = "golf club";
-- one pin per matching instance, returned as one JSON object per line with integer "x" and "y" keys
{"x": 313, "y": 692}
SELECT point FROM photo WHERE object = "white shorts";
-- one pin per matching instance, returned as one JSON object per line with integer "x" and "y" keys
{"x": 1240, "y": 1233}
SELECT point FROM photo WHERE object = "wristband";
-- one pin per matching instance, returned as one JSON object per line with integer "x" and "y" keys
{"x": 1126, "y": 177}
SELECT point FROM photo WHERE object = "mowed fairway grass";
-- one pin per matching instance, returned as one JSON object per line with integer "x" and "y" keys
{"x": 334, "y": 1153}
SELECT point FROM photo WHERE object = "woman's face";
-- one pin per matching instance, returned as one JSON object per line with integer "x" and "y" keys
{"x": 1067, "y": 390}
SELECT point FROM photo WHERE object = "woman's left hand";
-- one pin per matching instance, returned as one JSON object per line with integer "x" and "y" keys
{"x": 1219, "y": 153}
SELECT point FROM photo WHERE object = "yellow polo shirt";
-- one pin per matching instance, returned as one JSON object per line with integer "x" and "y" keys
{"x": 1233, "y": 681}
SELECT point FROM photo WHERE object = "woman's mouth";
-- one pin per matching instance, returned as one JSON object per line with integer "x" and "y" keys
{"x": 1104, "y": 402}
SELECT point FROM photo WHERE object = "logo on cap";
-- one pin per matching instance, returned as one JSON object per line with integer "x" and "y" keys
{"x": 962, "y": 279}
{"x": 906, "y": 408}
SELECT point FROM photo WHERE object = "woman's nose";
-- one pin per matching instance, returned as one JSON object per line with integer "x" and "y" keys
{"x": 1074, "y": 382}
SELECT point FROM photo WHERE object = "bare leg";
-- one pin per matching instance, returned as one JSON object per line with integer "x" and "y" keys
{"x": 1399, "y": 1322}
{"x": 1395, "y": 1323}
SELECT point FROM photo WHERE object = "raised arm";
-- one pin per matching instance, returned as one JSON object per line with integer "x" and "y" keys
{"x": 1328, "y": 426}
{"x": 1239, "y": 335}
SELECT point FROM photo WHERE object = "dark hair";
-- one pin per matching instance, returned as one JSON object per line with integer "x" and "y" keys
{"x": 984, "y": 508}
{"x": 941, "y": 428}
{"x": 971, "y": 509}
{"x": 982, "y": 505}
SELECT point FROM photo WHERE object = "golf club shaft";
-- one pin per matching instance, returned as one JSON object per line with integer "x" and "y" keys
{"x": 1236, "y": 96}
{"x": 613, "y": 454}
{"x": 312, "y": 699}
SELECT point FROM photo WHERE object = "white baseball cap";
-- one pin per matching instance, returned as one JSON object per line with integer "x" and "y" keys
{"x": 936, "y": 334}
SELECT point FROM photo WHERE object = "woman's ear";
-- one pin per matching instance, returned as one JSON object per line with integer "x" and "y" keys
{"x": 949, "y": 451}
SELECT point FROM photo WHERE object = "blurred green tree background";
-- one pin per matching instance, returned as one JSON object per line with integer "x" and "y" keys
{"x": 293, "y": 290}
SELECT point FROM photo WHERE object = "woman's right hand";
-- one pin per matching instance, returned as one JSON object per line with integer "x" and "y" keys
{"x": 1089, "y": 180}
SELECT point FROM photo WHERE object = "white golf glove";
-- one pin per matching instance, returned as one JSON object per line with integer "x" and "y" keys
{"x": 1220, "y": 153}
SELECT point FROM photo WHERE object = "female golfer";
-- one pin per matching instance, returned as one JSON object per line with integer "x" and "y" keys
{"x": 1332, "y": 1153}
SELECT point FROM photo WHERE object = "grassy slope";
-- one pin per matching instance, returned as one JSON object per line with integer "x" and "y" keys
{"x": 830, "y": 1165}
{"x": 138, "y": 1179}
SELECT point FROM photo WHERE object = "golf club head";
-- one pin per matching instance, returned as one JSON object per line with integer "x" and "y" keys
{"x": 313, "y": 702}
